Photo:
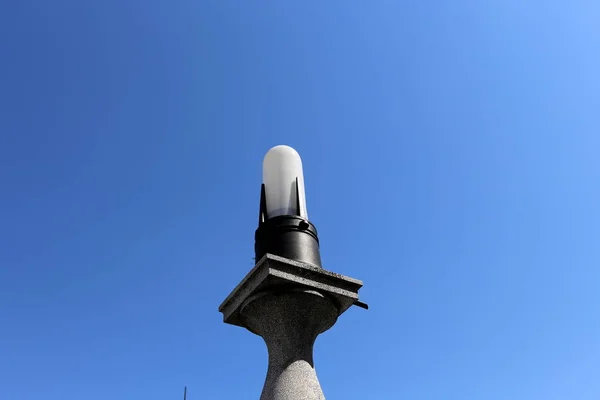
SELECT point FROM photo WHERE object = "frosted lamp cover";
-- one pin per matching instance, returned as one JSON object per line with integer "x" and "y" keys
{"x": 281, "y": 166}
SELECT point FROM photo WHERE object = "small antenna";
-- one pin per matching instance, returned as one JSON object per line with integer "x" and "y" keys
{"x": 184, "y": 392}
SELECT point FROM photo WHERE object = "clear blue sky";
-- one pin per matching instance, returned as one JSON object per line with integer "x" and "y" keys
{"x": 451, "y": 155}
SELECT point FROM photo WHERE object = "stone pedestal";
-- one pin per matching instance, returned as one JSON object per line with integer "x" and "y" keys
{"x": 289, "y": 322}
{"x": 289, "y": 304}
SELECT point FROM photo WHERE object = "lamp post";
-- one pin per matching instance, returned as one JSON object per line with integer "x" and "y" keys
{"x": 288, "y": 298}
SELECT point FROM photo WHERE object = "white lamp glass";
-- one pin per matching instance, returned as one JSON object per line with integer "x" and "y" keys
{"x": 281, "y": 166}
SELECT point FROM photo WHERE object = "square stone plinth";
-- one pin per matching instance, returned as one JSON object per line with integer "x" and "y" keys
{"x": 273, "y": 272}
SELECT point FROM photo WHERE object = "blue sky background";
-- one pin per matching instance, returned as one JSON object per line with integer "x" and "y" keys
{"x": 451, "y": 155}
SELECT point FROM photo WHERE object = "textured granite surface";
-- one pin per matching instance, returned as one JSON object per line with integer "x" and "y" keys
{"x": 273, "y": 272}
{"x": 289, "y": 322}
{"x": 289, "y": 304}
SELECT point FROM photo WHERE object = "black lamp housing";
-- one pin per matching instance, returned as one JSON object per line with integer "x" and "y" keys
{"x": 290, "y": 236}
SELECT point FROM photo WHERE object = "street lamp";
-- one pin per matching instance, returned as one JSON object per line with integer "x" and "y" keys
{"x": 288, "y": 298}
{"x": 283, "y": 226}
